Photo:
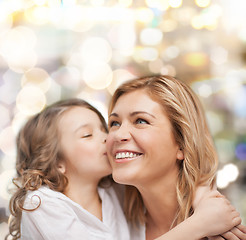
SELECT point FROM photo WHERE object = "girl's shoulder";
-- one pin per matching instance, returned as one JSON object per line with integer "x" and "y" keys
{"x": 42, "y": 195}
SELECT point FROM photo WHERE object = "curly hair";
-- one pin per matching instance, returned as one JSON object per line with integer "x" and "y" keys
{"x": 191, "y": 133}
{"x": 38, "y": 155}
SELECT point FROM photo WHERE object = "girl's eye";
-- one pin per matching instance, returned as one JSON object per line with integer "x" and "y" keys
{"x": 141, "y": 121}
{"x": 86, "y": 135}
{"x": 114, "y": 124}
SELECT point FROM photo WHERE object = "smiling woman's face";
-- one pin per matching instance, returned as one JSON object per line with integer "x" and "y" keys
{"x": 140, "y": 145}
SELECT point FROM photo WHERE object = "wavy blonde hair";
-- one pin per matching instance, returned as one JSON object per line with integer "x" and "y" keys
{"x": 191, "y": 132}
{"x": 38, "y": 154}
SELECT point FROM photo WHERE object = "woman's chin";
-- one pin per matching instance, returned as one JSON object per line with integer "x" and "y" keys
{"x": 124, "y": 178}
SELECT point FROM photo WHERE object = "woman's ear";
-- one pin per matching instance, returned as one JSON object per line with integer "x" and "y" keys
{"x": 180, "y": 154}
{"x": 62, "y": 167}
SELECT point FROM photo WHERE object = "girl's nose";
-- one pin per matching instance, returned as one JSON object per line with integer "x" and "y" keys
{"x": 104, "y": 137}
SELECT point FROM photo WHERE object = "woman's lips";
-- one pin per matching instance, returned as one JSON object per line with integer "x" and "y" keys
{"x": 126, "y": 156}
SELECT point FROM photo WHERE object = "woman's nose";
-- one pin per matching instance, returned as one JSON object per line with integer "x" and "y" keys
{"x": 122, "y": 134}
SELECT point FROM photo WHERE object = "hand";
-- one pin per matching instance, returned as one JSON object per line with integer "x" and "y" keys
{"x": 236, "y": 233}
{"x": 215, "y": 212}
{"x": 201, "y": 191}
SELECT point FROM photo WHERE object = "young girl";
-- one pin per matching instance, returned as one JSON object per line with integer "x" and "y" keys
{"x": 64, "y": 185}
{"x": 61, "y": 160}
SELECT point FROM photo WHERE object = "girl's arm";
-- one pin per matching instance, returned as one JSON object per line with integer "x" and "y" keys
{"x": 213, "y": 215}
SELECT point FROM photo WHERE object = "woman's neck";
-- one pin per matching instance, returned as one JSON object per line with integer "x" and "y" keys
{"x": 161, "y": 205}
{"x": 87, "y": 196}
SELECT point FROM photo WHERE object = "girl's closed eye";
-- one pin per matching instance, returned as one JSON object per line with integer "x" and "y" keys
{"x": 86, "y": 135}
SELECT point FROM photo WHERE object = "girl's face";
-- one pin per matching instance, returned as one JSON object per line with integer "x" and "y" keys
{"x": 140, "y": 144}
{"x": 83, "y": 144}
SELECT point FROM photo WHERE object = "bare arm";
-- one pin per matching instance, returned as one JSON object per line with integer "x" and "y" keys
{"x": 213, "y": 215}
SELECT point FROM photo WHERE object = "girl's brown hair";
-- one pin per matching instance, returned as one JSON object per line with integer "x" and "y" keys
{"x": 191, "y": 132}
{"x": 38, "y": 154}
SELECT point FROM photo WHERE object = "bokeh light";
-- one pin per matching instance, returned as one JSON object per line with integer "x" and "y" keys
{"x": 36, "y": 77}
{"x": 241, "y": 151}
{"x": 30, "y": 100}
{"x": 229, "y": 173}
{"x": 53, "y": 50}
{"x": 96, "y": 50}
{"x": 151, "y": 36}
{"x": 7, "y": 141}
{"x": 98, "y": 75}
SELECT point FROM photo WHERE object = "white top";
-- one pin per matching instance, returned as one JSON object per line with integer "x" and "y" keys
{"x": 58, "y": 217}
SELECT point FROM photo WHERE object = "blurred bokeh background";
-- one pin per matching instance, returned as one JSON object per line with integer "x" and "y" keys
{"x": 56, "y": 49}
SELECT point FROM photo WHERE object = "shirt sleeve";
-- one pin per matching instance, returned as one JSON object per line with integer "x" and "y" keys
{"x": 52, "y": 220}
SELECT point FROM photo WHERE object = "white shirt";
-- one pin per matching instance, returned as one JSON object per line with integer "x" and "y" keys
{"x": 58, "y": 217}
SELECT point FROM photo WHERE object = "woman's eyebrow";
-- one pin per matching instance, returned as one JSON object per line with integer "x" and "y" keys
{"x": 113, "y": 115}
{"x": 132, "y": 114}
{"x": 142, "y": 112}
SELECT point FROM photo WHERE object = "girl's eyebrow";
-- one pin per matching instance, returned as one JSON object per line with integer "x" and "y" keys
{"x": 81, "y": 126}
{"x": 133, "y": 114}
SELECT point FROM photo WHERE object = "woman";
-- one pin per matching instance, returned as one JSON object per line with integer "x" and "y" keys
{"x": 61, "y": 160}
{"x": 159, "y": 144}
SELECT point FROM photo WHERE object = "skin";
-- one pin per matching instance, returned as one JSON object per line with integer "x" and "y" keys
{"x": 84, "y": 167}
{"x": 143, "y": 153}
{"x": 81, "y": 164}
{"x": 143, "y": 127}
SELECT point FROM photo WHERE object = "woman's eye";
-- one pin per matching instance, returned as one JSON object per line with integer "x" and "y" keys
{"x": 114, "y": 124}
{"x": 141, "y": 121}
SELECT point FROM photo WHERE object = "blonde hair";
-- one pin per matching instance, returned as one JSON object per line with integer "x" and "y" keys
{"x": 38, "y": 154}
{"x": 191, "y": 132}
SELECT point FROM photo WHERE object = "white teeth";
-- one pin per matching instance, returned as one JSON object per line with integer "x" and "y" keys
{"x": 126, "y": 155}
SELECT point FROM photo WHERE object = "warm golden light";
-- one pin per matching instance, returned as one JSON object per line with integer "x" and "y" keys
{"x": 144, "y": 15}
{"x": 96, "y": 50}
{"x": 175, "y": 3}
{"x": 151, "y": 36}
{"x": 196, "y": 59}
{"x": 30, "y": 100}
{"x": 38, "y": 15}
{"x": 36, "y": 77}
{"x": 159, "y": 4}
{"x": 119, "y": 76}
{"x": 202, "y": 3}
{"x": 17, "y": 47}
{"x": 125, "y": 3}
{"x": 40, "y": 2}
{"x": 97, "y": 75}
